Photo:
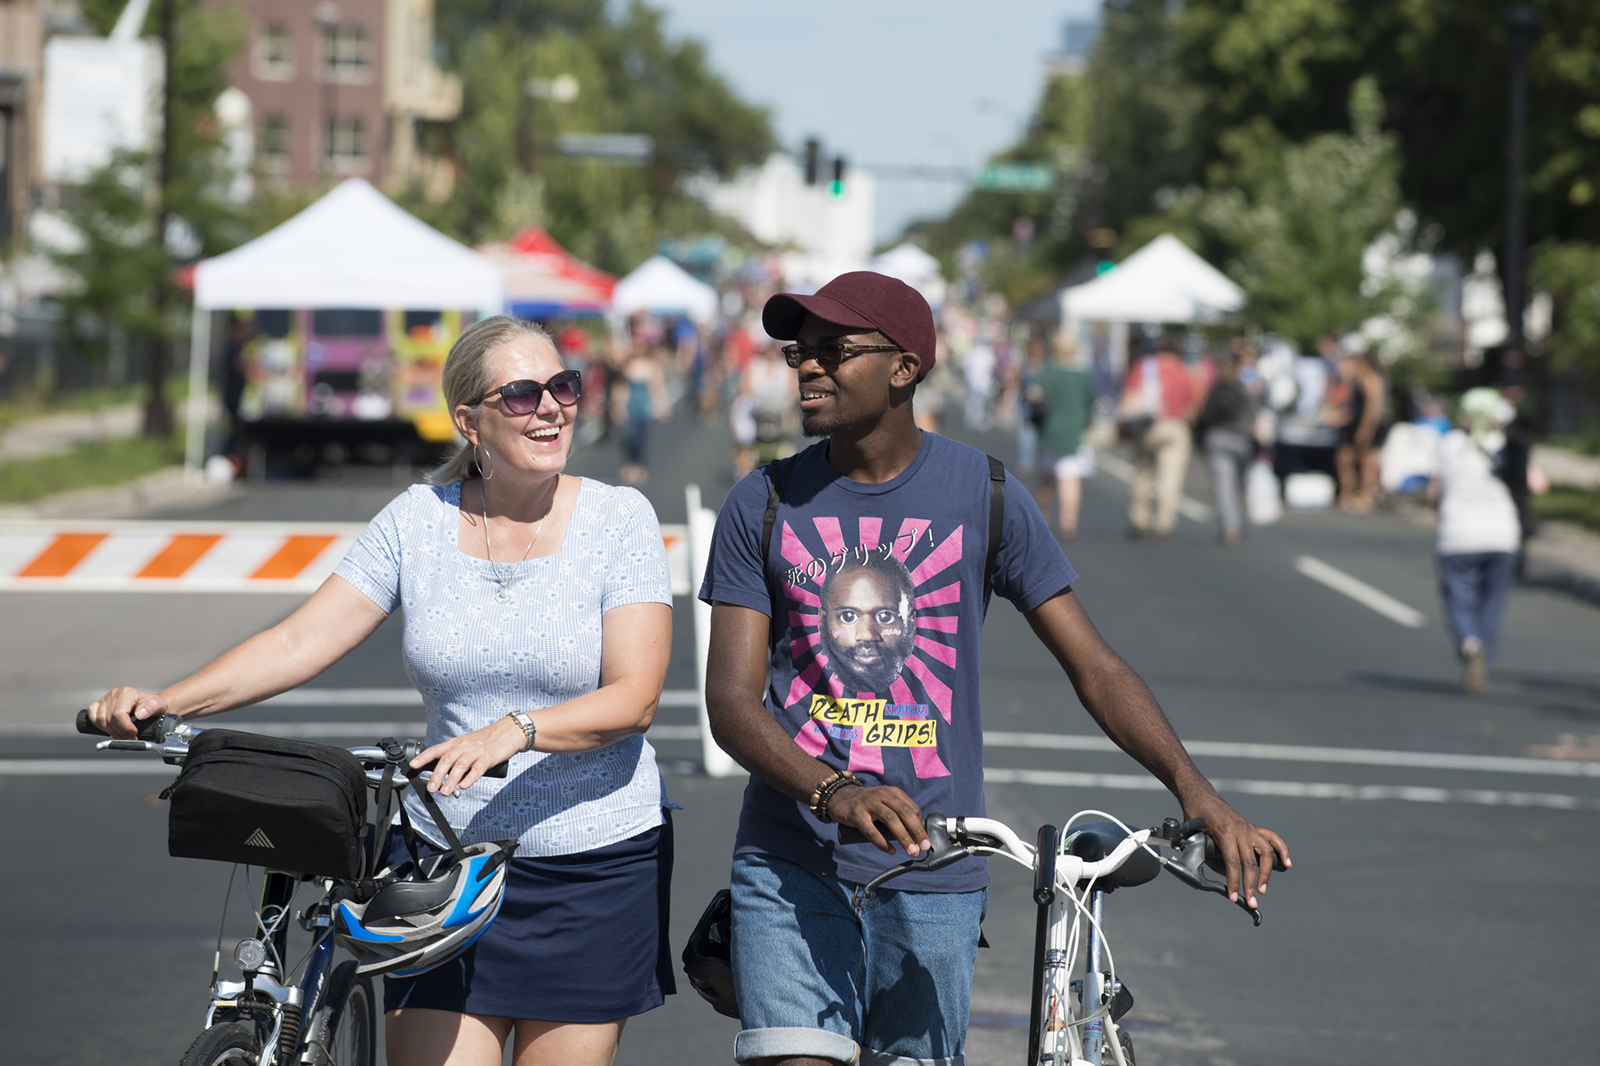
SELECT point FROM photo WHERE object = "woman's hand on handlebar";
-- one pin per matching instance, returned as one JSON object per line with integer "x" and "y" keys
{"x": 464, "y": 759}
{"x": 117, "y": 712}
{"x": 862, "y": 806}
{"x": 1247, "y": 850}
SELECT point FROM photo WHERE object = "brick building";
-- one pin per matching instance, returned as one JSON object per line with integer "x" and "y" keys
{"x": 342, "y": 88}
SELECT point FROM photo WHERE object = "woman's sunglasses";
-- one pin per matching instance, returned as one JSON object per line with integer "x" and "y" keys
{"x": 522, "y": 397}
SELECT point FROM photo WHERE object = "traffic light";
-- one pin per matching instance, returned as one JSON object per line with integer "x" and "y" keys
{"x": 836, "y": 189}
{"x": 813, "y": 159}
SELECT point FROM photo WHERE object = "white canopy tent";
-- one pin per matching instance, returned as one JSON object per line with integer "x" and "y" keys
{"x": 1162, "y": 282}
{"x": 352, "y": 248}
{"x": 661, "y": 286}
{"x": 915, "y": 267}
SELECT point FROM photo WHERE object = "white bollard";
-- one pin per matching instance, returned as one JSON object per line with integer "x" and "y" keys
{"x": 702, "y": 522}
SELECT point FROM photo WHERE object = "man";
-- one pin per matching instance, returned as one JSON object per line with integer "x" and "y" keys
{"x": 832, "y": 738}
{"x": 1065, "y": 458}
{"x": 1160, "y": 394}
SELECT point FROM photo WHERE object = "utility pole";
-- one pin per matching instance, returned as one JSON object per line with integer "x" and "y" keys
{"x": 1521, "y": 23}
{"x": 157, "y": 412}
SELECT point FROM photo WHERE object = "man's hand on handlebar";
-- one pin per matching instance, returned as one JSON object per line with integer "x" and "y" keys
{"x": 462, "y": 760}
{"x": 862, "y": 806}
{"x": 119, "y": 712}
{"x": 1247, "y": 850}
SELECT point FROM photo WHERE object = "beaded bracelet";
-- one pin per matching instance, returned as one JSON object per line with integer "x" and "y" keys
{"x": 824, "y": 792}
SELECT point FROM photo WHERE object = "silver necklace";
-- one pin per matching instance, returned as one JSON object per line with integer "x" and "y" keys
{"x": 503, "y": 593}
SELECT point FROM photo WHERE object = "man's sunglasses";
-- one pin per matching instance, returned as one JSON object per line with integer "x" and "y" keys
{"x": 522, "y": 397}
{"x": 829, "y": 356}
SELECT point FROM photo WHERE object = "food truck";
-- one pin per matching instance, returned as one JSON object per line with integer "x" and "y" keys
{"x": 352, "y": 377}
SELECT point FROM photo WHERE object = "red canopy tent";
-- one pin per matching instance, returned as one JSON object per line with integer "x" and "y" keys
{"x": 544, "y": 279}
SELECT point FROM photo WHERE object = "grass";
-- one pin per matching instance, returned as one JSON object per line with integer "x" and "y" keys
{"x": 1567, "y": 504}
{"x": 107, "y": 462}
{"x": 25, "y": 405}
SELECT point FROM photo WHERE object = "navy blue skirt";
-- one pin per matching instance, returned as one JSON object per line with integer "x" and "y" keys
{"x": 580, "y": 938}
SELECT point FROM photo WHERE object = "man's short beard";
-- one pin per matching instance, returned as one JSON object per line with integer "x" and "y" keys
{"x": 820, "y": 425}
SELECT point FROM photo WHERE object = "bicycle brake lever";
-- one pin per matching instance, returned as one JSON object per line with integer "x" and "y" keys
{"x": 942, "y": 851}
{"x": 1186, "y": 868}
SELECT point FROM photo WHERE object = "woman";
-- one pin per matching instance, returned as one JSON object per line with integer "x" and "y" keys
{"x": 638, "y": 398}
{"x": 527, "y": 593}
{"x": 1227, "y": 434}
{"x": 1066, "y": 395}
{"x": 1479, "y": 532}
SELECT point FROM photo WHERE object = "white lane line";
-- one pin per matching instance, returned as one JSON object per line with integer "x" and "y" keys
{"x": 1427, "y": 760}
{"x": 1300, "y": 789}
{"x": 1122, "y": 470}
{"x": 1360, "y": 591}
{"x": 84, "y": 767}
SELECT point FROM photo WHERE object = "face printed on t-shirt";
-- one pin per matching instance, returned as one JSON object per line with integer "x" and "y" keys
{"x": 868, "y": 623}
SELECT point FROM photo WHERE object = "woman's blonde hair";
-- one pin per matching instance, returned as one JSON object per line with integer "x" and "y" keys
{"x": 467, "y": 376}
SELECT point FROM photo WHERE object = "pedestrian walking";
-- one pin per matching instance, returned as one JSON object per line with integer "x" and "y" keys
{"x": 848, "y": 587}
{"x": 1355, "y": 408}
{"x": 1479, "y": 533}
{"x": 1157, "y": 405}
{"x": 551, "y": 655}
{"x": 1065, "y": 457}
{"x": 638, "y": 398}
{"x": 1226, "y": 428}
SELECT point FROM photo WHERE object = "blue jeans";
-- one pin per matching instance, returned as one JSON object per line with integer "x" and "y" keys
{"x": 1474, "y": 588}
{"x": 822, "y": 971}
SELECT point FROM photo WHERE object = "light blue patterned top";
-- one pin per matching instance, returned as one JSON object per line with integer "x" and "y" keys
{"x": 475, "y": 659}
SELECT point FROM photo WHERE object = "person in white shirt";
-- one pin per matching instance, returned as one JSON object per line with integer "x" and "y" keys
{"x": 1479, "y": 534}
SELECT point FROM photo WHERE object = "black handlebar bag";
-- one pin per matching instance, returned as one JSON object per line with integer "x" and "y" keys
{"x": 285, "y": 804}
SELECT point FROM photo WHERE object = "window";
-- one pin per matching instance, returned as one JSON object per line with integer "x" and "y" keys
{"x": 274, "y": 53}
{"x": 274, "y": 147}
{"x": 272, "y": 322}
{"x": 345, "y": 54}
{"x": 344, "y": 141}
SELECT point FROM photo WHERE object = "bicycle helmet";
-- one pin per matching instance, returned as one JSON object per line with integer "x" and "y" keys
{"x": 707, "y": 958}
{"x": 426, "y": 913}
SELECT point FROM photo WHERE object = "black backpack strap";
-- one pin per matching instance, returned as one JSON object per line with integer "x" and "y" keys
{"x": 777, "y": 473}
{"x": 997, "y": 521}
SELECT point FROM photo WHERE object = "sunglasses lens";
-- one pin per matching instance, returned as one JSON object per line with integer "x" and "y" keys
{"x": 565, "y": 387}
{"x": 522, "y": 397}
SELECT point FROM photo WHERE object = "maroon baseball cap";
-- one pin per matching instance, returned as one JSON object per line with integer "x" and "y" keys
{"x": 864, "y": 301}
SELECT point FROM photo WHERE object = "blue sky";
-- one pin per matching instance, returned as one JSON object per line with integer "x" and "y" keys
{"x": 931, "y": 82}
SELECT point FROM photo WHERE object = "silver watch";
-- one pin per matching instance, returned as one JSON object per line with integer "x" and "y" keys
{"x": 525, "y": 720}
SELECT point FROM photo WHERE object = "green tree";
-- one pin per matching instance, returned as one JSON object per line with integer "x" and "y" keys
{"x": 1570, "y": 272}
{"x": 125, "y": 268}
{"x": 632, "y": 78}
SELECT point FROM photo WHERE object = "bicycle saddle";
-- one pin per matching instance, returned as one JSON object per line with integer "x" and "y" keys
{"x": 1093, "y": 841}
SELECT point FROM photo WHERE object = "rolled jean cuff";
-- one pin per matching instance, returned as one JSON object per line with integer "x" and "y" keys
{"x": 787, "y": 1042}
{"x": 879, "y": 1058}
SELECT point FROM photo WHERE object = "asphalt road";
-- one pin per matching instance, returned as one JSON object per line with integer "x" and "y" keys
{"x": 1440, "y": 909}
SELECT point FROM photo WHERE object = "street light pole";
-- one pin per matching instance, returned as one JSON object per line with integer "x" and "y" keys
{"x": 1521, "y": 23}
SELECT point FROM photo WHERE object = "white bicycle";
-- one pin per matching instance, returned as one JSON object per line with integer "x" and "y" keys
{"x": 1074, "y": 1020}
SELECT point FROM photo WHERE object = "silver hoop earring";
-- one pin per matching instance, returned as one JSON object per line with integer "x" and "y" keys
{"x": 485, "y": 469}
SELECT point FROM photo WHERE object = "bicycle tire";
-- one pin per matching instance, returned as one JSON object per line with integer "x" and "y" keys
{"x": 1127, "y": 1045}
{"x": 224, "y": 1044}
{"x": 352, "y": 1018}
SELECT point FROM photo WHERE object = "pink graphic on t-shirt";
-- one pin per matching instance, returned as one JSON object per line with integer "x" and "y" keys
{"x": 940, "y": 559}
{"x": 911, "y": 531}
{"x": 943, "y": 652}
{"x": 936, "y": 598}
{"x": 832, "y": 536}
{"x": 872, "y": 631}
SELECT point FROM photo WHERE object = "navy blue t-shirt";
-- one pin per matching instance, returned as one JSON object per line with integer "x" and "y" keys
{"x": 878, "y": 595}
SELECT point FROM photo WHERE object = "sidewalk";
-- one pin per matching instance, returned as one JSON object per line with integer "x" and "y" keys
{"x": 54, "y": 434}
{"x": 1565, "y": 467}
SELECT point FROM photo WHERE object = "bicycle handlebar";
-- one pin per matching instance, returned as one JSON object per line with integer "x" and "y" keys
{"x": 953, "y": 839}
{"x": 163, "y": 734}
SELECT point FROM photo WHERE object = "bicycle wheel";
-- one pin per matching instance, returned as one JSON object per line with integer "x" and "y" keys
{"x": 225, "y": 1044}
{"x": 1127, "y": 1045}
{"x": 352, "y": 1017}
